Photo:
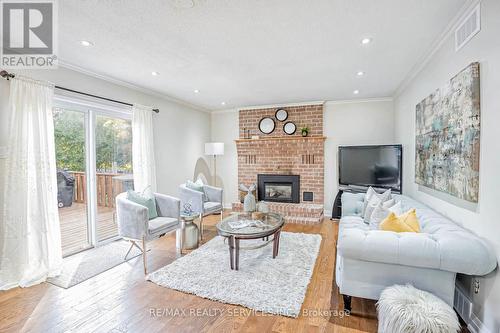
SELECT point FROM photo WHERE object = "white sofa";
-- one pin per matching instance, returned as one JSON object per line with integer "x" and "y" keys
{"x": 368, "y": 260}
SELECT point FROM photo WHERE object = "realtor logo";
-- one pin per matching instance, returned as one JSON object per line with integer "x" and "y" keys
{"x": 28, "y": 34}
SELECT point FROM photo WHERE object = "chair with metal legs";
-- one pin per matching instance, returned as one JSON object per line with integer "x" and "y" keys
{"x": 135, "y": 226}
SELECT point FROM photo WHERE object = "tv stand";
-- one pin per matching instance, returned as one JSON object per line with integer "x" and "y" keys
{"x": 337, "y": 206}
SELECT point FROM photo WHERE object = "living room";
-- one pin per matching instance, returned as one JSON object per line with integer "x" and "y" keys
{"x": 256, "y": 130}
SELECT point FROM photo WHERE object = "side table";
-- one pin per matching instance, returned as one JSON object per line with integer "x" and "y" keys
{"x": 190, "y": 232}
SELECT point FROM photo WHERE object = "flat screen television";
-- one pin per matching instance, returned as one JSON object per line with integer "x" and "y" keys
{"x": 378, "y": 166}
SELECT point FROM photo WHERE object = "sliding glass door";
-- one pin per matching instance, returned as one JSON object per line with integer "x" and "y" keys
{"x": 113, "y": 139}
{"x": 94, "y": 163}
{"x": 70, "y": 141}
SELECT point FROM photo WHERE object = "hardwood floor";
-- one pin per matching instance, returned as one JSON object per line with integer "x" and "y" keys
{"x": 121, "y": 300}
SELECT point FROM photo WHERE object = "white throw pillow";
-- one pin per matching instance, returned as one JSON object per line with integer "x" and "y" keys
{"x": 370, "y": 194}
{"x": 389, "y": 203}
{"x": 382, "y": 211}
{"x": 372, "y": 200}
{"x": 385, "y": 196}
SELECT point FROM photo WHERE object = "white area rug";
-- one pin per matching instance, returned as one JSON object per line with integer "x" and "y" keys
{"x": 276, "y": 286}
{"x": 84, "y": 265}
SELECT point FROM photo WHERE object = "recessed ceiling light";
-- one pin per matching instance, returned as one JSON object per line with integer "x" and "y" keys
{"x": 355, "y": 92}
{"x": 196, "y": 91}
{"x": 223, "y": 103}
{"x": 366, "y": 41}
{"x": 86, "y": 43}
{"x": 155, "y": 73}
{"x": 360, "y": 73}
{"x": 183, "y": 4}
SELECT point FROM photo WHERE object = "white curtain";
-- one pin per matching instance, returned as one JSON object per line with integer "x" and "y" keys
{"x": 29, "y": 227}
{"x": 143, "y": 157}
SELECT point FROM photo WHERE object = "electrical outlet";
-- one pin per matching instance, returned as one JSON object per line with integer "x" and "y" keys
{"x": 476, "y": 286}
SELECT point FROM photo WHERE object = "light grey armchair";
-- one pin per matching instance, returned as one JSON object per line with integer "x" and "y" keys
{"x": 135, "y": 226}
{"x": 212, "y": 204}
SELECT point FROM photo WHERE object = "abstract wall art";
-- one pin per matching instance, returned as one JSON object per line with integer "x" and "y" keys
{"x": 448, "y": 137}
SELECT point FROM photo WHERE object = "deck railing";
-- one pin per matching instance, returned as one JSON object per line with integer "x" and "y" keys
{"x": 107, "y": 188}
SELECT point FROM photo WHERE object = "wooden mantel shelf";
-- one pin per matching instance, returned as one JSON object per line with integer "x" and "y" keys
{"x": 282, "y": 138}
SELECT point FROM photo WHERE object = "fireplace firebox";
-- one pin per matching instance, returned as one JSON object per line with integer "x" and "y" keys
{"x": 278, "y": 188}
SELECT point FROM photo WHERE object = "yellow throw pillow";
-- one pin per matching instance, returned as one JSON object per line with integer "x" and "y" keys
{"x": 408, "y": 222}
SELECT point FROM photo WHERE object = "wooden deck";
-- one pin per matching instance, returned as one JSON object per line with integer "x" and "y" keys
{"x": 74, "y": 230}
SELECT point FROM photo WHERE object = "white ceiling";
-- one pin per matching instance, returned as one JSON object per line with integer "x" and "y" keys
{"x": 254, "y": 52}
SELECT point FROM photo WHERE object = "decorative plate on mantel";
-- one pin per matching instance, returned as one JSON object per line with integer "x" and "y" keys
{"x": 289, "y": 128}
{"x": 281, "y": 114}
{"x": 266, "y": 125}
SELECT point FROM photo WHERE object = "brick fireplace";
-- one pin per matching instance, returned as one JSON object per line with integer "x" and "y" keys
{"x": 280, "y": 154}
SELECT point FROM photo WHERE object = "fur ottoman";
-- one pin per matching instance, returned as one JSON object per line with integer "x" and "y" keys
{"x": 405, "y": 309}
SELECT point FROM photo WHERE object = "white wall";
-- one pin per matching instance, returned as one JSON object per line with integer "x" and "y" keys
{"x": 483, "y": 218}
{"x": 344, "y": 123}
{"x": 225, "y": 128}
{"x": 180, "y": 131}
{"x": 353, "y": 123}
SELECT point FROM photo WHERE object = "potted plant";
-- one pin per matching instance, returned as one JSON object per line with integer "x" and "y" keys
{"x": 304, "y": 130}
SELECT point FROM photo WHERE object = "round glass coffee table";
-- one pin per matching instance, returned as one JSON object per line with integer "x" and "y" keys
{"x": 241, "y": 226}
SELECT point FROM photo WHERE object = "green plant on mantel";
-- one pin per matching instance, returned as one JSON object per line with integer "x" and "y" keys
{"x": 304, "y": 130}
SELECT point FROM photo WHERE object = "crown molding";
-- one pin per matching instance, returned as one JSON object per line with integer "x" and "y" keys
{"x": 279, "y": 105}
{"x": 364, "y": 100}
{"x": 438, "y": 43}
{"x": 224, "y": 111}
{"x": 347, "y": 101}
{"x": 129, "y": 85}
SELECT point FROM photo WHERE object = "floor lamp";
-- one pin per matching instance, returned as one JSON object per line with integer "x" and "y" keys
{"x": 214, "y": 149}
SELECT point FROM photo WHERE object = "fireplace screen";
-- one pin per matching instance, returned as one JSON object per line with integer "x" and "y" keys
{"x": 278, "y": 191}
{"x": 279, "y": 188}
